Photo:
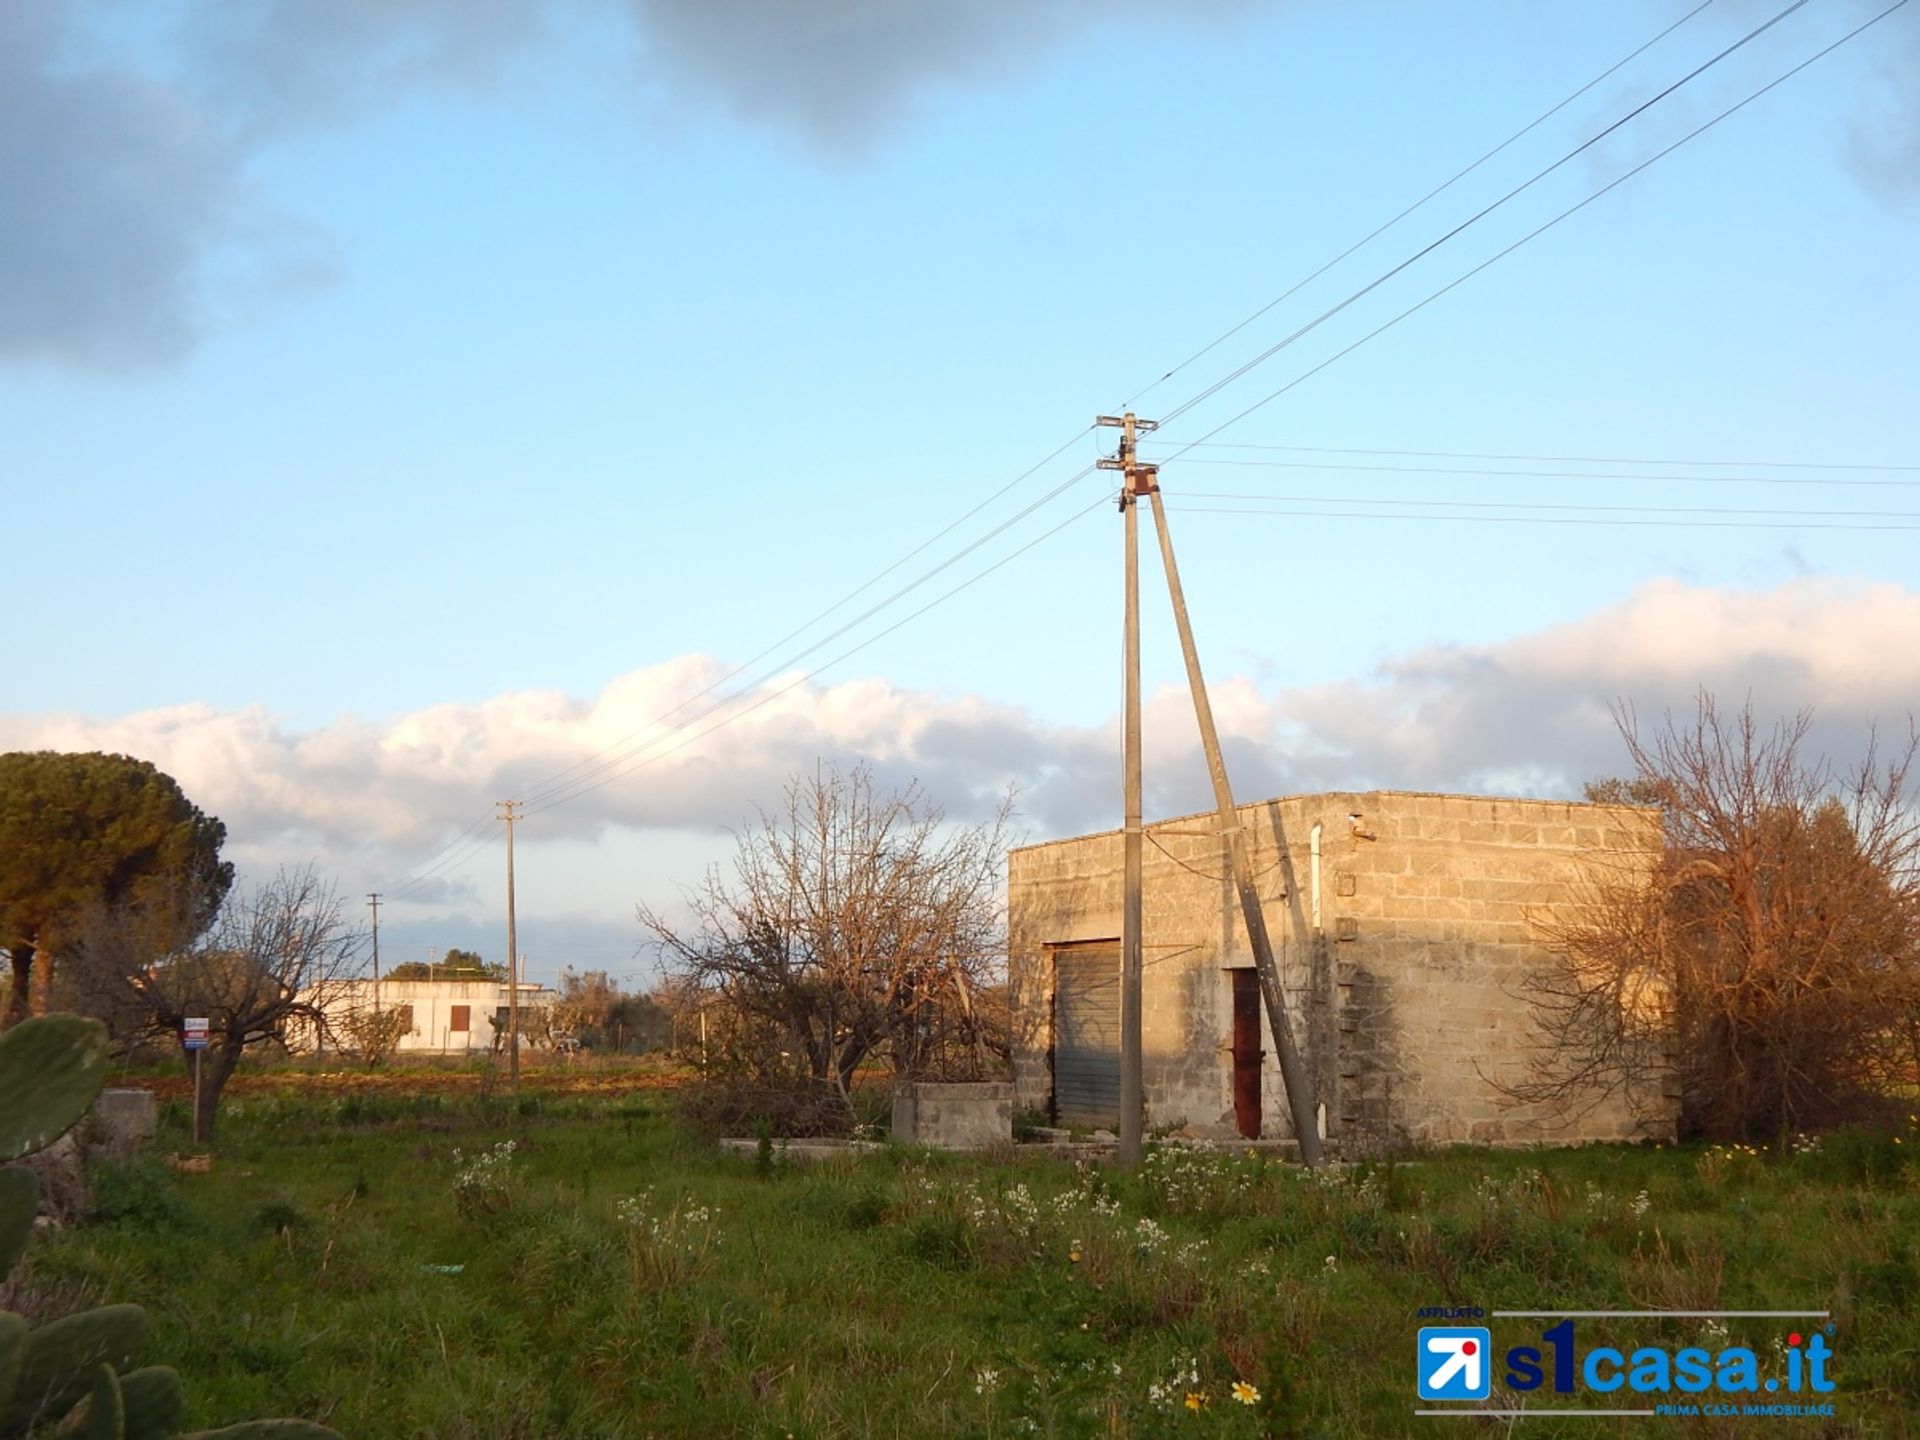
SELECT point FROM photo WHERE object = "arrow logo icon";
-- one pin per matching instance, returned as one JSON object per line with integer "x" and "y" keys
{"x": 1453, "y": 1363}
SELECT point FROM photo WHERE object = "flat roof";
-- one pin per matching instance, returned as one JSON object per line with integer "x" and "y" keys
{"x": 1332, "y": 794}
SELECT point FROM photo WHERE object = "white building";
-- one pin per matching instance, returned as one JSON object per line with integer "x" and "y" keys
{"x": 441, "y": 1017}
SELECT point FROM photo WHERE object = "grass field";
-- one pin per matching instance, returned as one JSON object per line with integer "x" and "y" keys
{"x": 379, "y": 1260}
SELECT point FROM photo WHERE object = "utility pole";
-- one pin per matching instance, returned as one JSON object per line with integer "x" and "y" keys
{"x": 373, "y": 899}
{"x": 1136, "y": 477}
{"x": 1300, "y": 1097}
{"x": 507, "y": 808}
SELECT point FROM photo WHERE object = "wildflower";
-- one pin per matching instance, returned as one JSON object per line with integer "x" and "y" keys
{"x": 1332, "y": 1262}
{"x": 984, "y": 1380}
{"x": 1245, "y": 1393}
{"x": 1195, "y": 1399}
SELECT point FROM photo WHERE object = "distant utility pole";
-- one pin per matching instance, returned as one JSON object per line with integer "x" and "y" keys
{"x": 507, "y": 809}
{"x": 1300, "y": 1097}
{"x": 373, "y": 899}
{"x": 1136, "y": 479}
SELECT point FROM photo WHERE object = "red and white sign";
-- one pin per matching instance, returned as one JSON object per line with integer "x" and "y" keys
{"x": 193, "y": 1032}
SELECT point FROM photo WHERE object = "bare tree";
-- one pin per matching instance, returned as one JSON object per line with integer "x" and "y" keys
{"x": 1766, "y": 956}
{"x": 584, "y": 1003}
{"x": 276, "y": 957}
{"x": 852, "y": 924}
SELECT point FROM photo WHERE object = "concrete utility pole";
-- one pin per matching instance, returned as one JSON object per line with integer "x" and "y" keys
{"x": 1136, "y": 478}
{"x": 507, "y": 807}
{"x": 1300, "y": 1097}
{"x": 373, "y": 899}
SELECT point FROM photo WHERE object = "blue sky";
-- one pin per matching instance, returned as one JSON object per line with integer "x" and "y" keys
{"x": 401, "y": 401}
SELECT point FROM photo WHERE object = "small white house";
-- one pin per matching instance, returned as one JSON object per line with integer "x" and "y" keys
{"x": 440, "y": 1017}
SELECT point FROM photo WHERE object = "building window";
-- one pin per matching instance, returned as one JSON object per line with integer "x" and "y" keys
{"x": 462, "y": 1015}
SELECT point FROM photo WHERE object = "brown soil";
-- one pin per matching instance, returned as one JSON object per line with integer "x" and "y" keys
{"x": 401, "y": 1080}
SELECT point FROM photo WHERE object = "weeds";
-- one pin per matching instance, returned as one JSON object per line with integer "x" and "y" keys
{"x": 906, "y": 1293}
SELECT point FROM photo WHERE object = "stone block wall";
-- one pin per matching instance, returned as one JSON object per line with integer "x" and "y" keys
{"x": 1431, "y": 911}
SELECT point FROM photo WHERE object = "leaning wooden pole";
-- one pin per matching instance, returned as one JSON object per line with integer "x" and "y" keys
{"x": 1300, "y": 1097}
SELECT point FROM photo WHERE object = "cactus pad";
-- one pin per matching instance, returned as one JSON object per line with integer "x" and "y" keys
{"x": 61, "y": 1359}
{"x": 57, "y": 1064}
{"x": 19, "y": 1202}
{"x": 13, "y": 1349}
{"x": 155, "y": 1402}
{"x": 105, "y": 1416}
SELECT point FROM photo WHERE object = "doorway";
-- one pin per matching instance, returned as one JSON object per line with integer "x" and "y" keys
{"x": 1247, "y": 1053}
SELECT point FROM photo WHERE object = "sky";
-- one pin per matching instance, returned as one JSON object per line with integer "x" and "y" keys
{"x": 623, "y": 405}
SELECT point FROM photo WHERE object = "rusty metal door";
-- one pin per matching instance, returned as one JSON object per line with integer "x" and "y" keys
{"x": 1246, "y": 1052}
{"x": 1086, "y": 1033}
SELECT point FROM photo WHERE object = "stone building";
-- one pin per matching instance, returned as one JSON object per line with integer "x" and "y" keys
{"x": 1405, "y": 926}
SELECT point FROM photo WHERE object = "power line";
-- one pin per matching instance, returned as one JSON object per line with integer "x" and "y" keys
{"x": 551, "y": 792}
{"x": 1541, "y": 459}
{"x": 1542, "y": 229}
{"x": 555, "y": 796}
{"x": 448, "y": 858}
{"x": 1539, "y": 519}
{"x": 1545, "y": 505}
{"x": 477, "y": 834}
{"x": 540, "y": 790}
{"x": 1177, "y": 411}
{"x": 1432, "y": 194}
{"x": 771, "y": 696}
{"x": 1314, "y": 465}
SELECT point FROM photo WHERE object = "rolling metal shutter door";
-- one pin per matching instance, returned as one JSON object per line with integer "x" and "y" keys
{"x": 1086, "y": 1034}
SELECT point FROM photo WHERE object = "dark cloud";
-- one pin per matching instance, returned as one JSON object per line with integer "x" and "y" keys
{"x": 114, "y": 189}
{"x": 280, "y": 65}
{"x": 846, "y": 74}
{"x": 128, "y": 230}
{"x": 1885, "y": 148}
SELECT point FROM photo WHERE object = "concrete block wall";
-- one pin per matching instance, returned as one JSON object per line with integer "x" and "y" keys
{"x": 1433, "y": 909}
{"x": 953, "y": 1116}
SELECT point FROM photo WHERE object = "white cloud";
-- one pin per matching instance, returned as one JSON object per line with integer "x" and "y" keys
{"x": 1530, "y": 714}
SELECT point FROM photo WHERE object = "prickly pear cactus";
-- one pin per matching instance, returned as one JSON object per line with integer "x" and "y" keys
{"x": 61, "y": 1358}
{"x": 51, "y": 1068}
{"x": 105, "y": 1417}
{"x": 155, "y": 1402}
{"x": 19, "y": 1203}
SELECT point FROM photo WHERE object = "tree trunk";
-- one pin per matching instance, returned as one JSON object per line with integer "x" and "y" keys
{"x": 42, "y": 986}
{"x": 217, "y": 1067}
{"x": 22, "y": 958}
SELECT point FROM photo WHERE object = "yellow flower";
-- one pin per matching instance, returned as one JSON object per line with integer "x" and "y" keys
{"x": 1074, "y": 1256}
{"x": 1245, "y": 1393}
{"x": 1195, "y": 1400}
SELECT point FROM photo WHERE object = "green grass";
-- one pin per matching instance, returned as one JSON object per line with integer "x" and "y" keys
{"x": 622, "y": 1279}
